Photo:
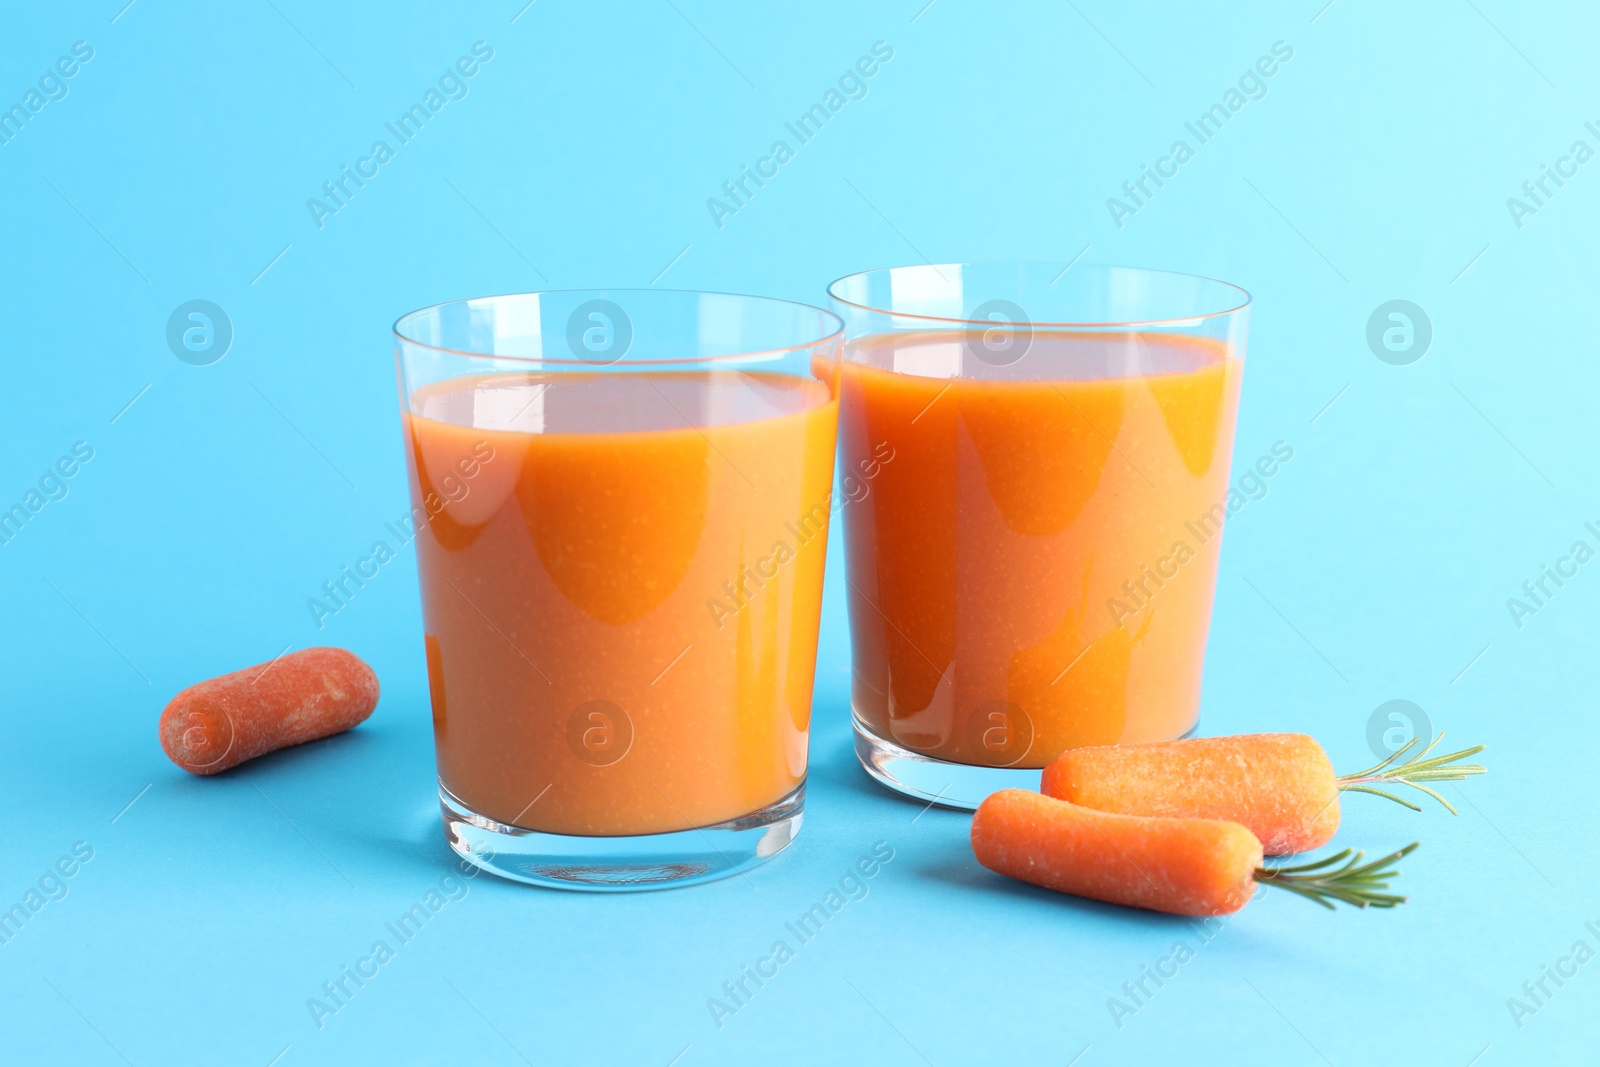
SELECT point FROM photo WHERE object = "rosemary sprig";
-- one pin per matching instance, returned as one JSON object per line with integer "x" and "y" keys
{"x": 1413, "y": 772}
{"x": 1325, "y": 881}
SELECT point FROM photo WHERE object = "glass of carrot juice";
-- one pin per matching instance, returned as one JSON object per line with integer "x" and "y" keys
{"x": 620, "y": 559}
{"x": 1034, "y": 570}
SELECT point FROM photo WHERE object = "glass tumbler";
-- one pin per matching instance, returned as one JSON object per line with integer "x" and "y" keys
{"x": 621, "y": 559}
{"x": 1032, "y": 565}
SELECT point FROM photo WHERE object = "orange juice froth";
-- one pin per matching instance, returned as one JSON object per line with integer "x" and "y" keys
{"x": 1035, "y": 570}
{"x": 582, "y": 680}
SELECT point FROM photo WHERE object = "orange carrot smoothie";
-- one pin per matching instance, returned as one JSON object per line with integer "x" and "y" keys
{"x": 1035, "y": 570}
{"x": 617, "y": 643}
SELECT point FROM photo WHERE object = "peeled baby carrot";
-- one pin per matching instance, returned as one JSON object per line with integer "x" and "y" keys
{"x": 1281, "y": 786}
{"x": 218, "y": 724}
{"x": 1182, "y": 866}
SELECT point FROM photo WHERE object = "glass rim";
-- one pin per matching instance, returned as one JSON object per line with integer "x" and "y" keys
{"x": 836, "y": 333}
{"x": 1245, "y": 299}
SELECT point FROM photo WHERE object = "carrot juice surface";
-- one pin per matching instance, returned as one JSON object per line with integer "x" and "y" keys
{"x": 621, "y": 599}
{"x": 1035, "y": 570}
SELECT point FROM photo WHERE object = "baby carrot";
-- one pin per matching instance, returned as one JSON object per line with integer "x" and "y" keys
{"x": 1281, "y": 786}
{"x": 221, "y": 723}
{"x": 1182, "y": 866}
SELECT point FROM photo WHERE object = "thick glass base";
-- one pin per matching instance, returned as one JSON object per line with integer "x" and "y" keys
{"x": 937, "y": 781}
{"x": 621, "y": 864}
{"x": 950, "y": 785}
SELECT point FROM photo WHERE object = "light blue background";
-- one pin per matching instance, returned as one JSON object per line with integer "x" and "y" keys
{"x": 1377, "y": 167}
